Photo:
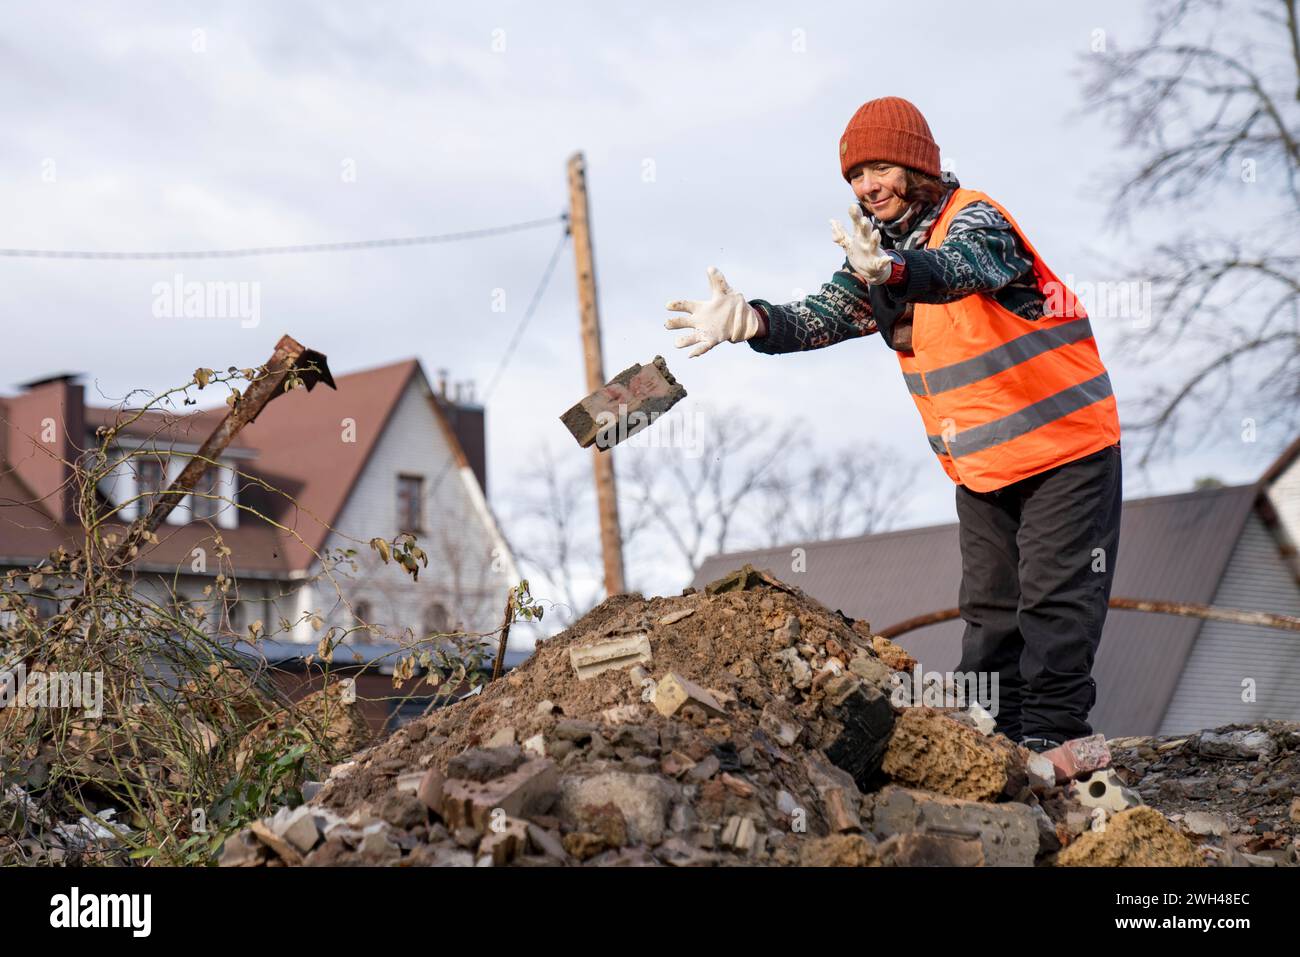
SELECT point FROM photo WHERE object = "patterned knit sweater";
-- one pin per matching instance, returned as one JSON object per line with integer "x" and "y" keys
{"x": 980, "y": 254}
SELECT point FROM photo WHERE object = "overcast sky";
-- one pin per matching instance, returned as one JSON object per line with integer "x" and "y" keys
{"x": 710, "y": 132}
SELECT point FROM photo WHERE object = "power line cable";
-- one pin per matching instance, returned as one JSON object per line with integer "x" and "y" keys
{"x": 286, "y": 250}
{"x": 436, "y": 484}
{"x": 528, "y": 314}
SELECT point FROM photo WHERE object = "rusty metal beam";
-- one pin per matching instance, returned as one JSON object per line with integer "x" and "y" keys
{"x": 289, "y": 358}
{"x": 1181, "y": 608}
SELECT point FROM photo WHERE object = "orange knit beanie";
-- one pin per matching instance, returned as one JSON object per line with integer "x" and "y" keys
{"x": 889, "y": 129}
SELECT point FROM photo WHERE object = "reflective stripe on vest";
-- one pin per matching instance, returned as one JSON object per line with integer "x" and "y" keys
{"x": 998, "y": 359}
{"x": 1005, "y": 429}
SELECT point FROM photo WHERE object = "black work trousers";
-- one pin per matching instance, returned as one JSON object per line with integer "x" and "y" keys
{"x": 1038, "y": 559}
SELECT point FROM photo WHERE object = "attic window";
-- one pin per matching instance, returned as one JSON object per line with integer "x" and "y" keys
{"x": 205, "y": 499}
{"x": 410, "y": 503}
{"x": 150, "y": 482}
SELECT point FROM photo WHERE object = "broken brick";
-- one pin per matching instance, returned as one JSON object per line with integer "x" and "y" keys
{"x": 531, "y": 788}
{"x": 504, "y": 842}
{"x": 430, "y": 790}
{"x": 1079, "y": 756}
{"x": 625, "y": 405}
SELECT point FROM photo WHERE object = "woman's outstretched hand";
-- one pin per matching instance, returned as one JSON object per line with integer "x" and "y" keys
{"x": 726, "y": 316}
{"x": 863, "y": 248}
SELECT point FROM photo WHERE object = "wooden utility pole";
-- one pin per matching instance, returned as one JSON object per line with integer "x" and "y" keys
{"x": 611, "y": 541}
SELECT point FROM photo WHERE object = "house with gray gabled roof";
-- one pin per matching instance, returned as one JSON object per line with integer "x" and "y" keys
{"x": 1156, "y": 674}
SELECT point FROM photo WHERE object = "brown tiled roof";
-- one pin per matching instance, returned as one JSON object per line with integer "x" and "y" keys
{"x": 28, "y": 534}
{"x": 299, "y": 443}
{"x": 1172, "y": 548}
{"x": 190, "y": 428}
{"x": 297, "y": 447}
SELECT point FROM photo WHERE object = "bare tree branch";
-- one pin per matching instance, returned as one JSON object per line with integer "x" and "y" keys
{"x": 1193, "y": 102}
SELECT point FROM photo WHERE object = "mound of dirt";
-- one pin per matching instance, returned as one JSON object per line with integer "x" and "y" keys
{"x": 743, "y": 725}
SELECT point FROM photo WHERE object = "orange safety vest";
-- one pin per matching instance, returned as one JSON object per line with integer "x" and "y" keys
{"x": 1002, "y": 397}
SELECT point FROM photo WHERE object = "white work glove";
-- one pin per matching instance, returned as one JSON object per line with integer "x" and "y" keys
{"x": 863, "y": 248}
{"x": 724, "y": 317}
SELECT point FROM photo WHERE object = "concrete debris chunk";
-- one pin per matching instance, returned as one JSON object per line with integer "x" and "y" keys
{"x": 643, "y": 800}
{"x": 930, "y": 751}
{"x": 484, "y": 764}
{"x": 1140, "y": 837}
{"x": 739, "y": 834}
{"x": 403, "y": 810}
{"x": 623, "y": 714}
{"x": 1251, "y": 744}
{"x": 839, "y": 687}
{"x": 1104, "y": 789}
{"x": 984, "y": 722}
{"x": 430, "y": 790}
{"x": 800, "y": 673}
{"x": 778, "y": 721}
{"x": 1041, "y": 772}
{"x": 375, "y": 847}
{"x": 546, "y": 842}
{"x": 298, "y": 827}
{"x": 931, "y": 850}
{"x": 530, "y": 788}
{"x": 1203, "y": 823}
{"x": 590, "y": 660}
{"x": 672, "y": 691}
{"x": 872, "y": 670}
{"x": 1008, "y": 832}
{"x": 409, "y": 783}
{"x": 287, "y": 852}
{"x": 242, "y": 849}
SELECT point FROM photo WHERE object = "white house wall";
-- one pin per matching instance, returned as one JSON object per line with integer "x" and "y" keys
{"x": 459, "y": 543}
{"x": 1284, "y": 494}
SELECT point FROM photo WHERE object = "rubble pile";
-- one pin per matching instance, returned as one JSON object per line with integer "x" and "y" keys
{"x": 1235, "y": 791}
{"x": 742, "y": 725}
